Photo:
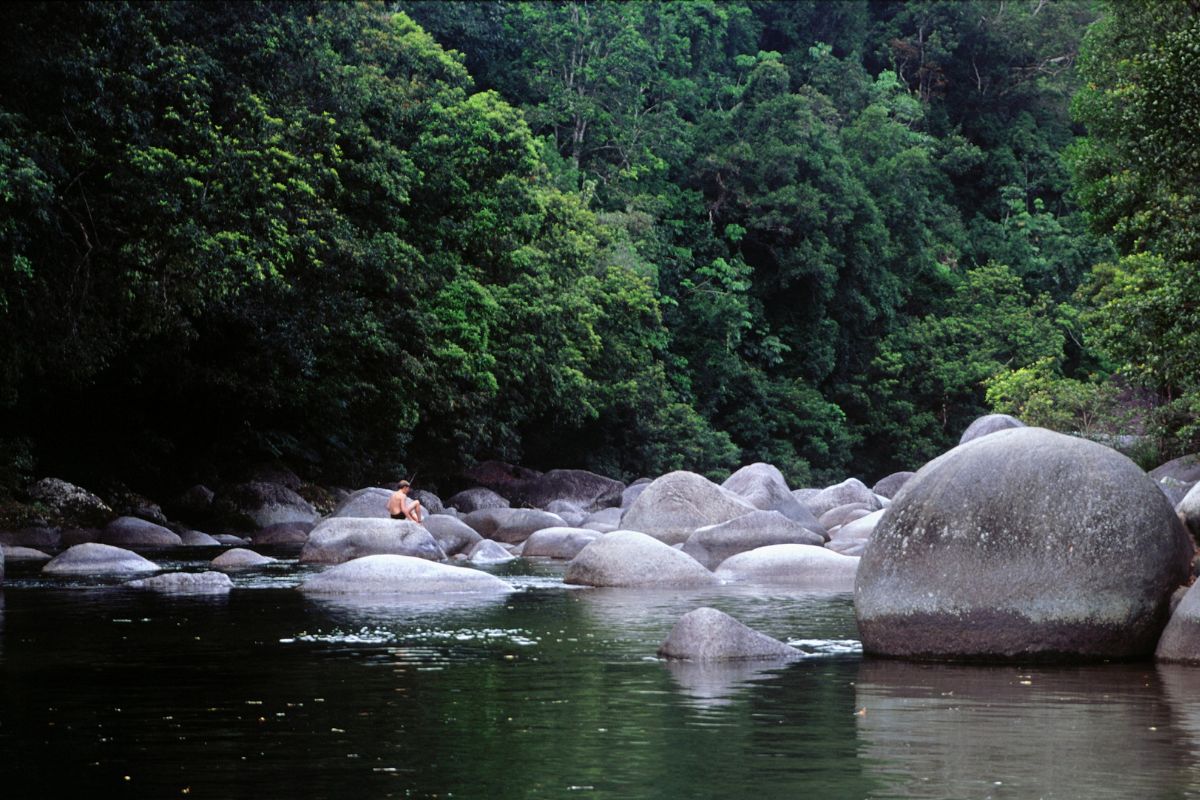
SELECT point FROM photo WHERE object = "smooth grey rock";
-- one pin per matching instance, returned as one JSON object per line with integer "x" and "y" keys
{"x": 585, "y": 490}
{"x": 841, "y": 515}
{"x": 713, "y": 544}
{"x": 21, "y": 554}
{"x": 763, "y": 486}
{"x": 631, "y": 558}
{"x": 394, "y": 574}
{"x": 600, "y": 527}
{"x": 1188, "y": 510}
{"x": 486, "y": 551}
{"x": 255, "y": 505}
{"x": 860, "y": 528}
{"x": 570, "y": 513}
{"x": 848, "y": 547}
{"x": 230, "y": 539}
{"x": 988, "y": 424}
{"x": 185, "y": 583}
{"x": 93, "y": 558}
{"x": 195, "y": 503}
{"x": 41, "y": 537}
{"x": 283, "y": 533}
{"x": 70, "y": 537}
{"x": 633, "y": 491}
{"x": 134, "y": 533}
{"x": 1022, "y": 545}
{"x": 707, "y": 634}
{"x": 1174, "y": 490}
{"x": 452, "y": 534}
{"x": 197, "y": 539}
{"x": 340, "y": 539}
{"x": 511, "y": 525}
{"x": 72, "y": 502}
{"x": 507, "y": 480}
{"x": 605, "y": 516}
{"x": 429, "y": 501}
{"x": 801, "y": 566}
{"x": 369, "y": 502}
{"x": 851, "y": 490}
{"x": 477, "y": 499}
{"x": 678, "y": 503}
{"x": 565, "y": 543}
{"x": 1185, "y": 469}
{"x": 890, "y": 485}
{"x": 240, "y": 558}
{"x": 1180, "y": 640}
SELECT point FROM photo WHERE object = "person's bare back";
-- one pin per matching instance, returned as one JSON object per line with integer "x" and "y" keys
{"x": 401, "y": 506}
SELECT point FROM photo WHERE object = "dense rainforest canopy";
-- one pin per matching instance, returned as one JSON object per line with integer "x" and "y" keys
{"x": 622, "y": 236}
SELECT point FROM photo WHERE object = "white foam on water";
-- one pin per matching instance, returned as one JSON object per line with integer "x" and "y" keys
{"x": 817, "y": 648}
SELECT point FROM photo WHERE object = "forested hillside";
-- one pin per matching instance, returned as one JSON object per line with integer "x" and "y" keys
{"x": 630, "y": 237}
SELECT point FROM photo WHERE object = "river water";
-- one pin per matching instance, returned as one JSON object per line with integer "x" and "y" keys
{"x": 551, "y": 692}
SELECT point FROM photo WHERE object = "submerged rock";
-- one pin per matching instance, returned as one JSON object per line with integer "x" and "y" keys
{"x": 392, "y": 574}
{"x": 631, "y": 558}
{"x": 1022, "y": 544}
{"x": 185, "y": 583}
{"x": 93, "y": 558}
{"x": 707, "y": 634}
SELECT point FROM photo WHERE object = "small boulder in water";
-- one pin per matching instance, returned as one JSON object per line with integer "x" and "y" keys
{"x": 240, "y": 558}
{"x": 185, "y": 583}
{"x": 93, "y": 558}
{"x": 707, "y": 634}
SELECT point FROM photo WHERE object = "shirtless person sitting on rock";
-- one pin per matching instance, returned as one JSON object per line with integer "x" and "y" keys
{"x": 401, "y": 506}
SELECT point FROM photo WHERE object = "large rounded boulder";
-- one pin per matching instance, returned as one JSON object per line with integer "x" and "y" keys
{"x": 713, "y": 544}
{"x": 678, "y": 503}
{"x": 395, "y": 574}
{"x": 1023, "y": 544}
{"x": 340, "y": 539}
{"x": 631, "y": 558}
{"x": 849, "y": 491}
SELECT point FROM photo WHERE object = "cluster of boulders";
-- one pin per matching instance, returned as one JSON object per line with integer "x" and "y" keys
{"x": 1020, "y": 543}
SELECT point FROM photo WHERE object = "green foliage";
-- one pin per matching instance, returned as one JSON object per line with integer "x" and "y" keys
{"x": 630, "y": 237}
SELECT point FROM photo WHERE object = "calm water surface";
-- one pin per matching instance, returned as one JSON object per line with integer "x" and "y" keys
{"x": 550, "y": 692}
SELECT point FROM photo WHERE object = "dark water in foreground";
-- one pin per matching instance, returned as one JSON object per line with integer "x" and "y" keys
{"x": 551, "y": 692}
